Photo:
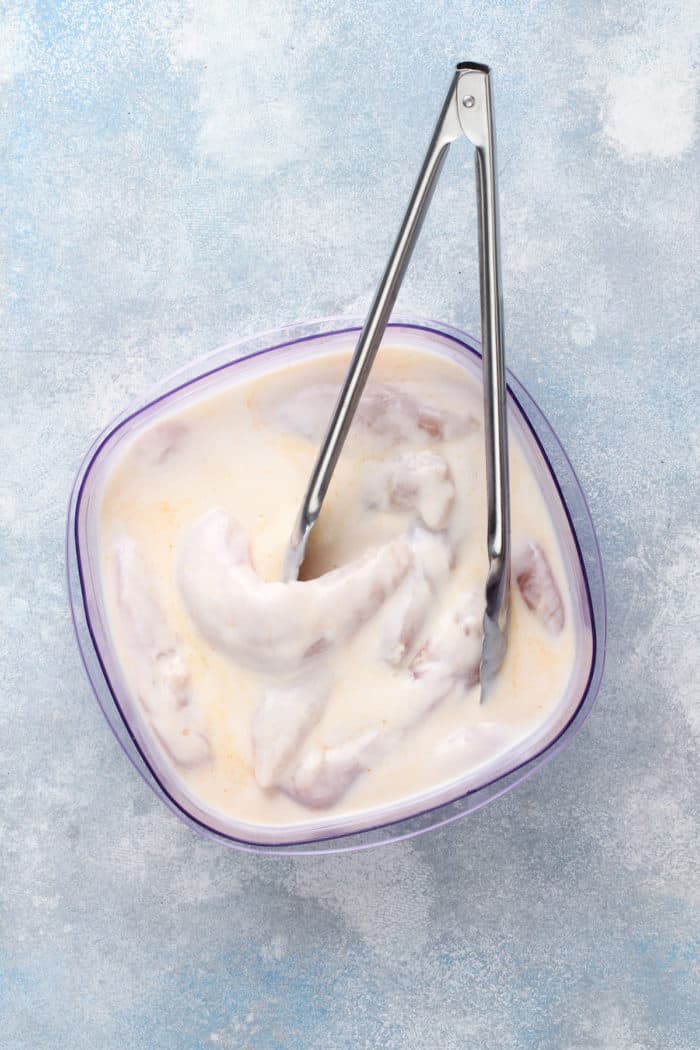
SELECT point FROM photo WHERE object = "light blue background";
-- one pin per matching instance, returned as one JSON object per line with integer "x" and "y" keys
{"x": 174, "y": 177}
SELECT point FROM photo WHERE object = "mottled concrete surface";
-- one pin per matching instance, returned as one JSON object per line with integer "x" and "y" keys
{"x": 173, "y": 177}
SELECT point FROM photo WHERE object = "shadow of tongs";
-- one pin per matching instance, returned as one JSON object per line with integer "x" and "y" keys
{"x": 468, "y": 111}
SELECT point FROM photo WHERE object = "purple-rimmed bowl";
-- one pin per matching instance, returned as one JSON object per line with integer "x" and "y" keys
{"x": 272, "y": 350}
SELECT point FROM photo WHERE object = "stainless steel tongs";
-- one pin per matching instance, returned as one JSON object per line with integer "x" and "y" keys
{"x": 467, "y": 111}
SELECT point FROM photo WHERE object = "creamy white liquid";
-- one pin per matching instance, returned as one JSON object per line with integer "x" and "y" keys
{"x": 285, "y": 712}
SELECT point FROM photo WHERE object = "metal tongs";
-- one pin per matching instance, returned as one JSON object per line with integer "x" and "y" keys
{"x": 467, "y": 111}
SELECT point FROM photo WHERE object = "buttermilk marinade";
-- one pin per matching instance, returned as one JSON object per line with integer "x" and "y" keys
{"x": 357, "y": 686}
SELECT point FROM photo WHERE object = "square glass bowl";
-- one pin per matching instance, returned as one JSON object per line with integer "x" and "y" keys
{"x": 271, "y": 351}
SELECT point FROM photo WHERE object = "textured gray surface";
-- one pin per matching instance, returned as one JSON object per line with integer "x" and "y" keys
{"x": 176, "y": 177}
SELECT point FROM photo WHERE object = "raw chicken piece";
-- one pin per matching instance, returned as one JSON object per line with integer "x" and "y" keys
{"x": 160, "y": 441}
{"x": 277, "y": 626}
{"x": 446, "y": 410}
{"x": 420, "y": 481}
{"x": 284, "y": 717}
{"x": 408, "y": 609}
{"x": 405, "y": 618}
{"x": 306, "y": 411}
{"x": 160, "y": 669}
{"x": 450, "y": 658}
{"x": 453, "y": 653}
{"x": 324, "y": 774}
{"x": 387, "y": 413}
{"x": 539, "y": 588}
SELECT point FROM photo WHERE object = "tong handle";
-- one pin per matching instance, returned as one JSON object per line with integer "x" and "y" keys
{"x": 446, "y": 131}
{"x": 476, "y": 118}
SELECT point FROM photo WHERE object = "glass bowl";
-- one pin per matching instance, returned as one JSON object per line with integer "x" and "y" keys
{"x": 269, "y": 351}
